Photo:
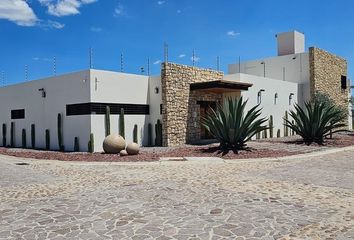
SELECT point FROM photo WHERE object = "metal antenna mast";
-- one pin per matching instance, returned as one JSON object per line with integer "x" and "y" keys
{"x": 55, "y": 66}
{"x": 121, "y": 62}
{"x": 193, "y": 58}
{"x": 26, "y": 73}
{"x": 218, "y": 63}
{"x": 148, "y": 66}
{"x": 90, "y": 57}
{"x": 165, "y": 52}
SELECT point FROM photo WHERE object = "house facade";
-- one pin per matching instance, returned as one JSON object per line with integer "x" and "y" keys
{"x": 178, "y": 97}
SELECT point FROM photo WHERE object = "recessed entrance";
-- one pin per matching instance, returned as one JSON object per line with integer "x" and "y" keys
{"x": 205, "y": 109}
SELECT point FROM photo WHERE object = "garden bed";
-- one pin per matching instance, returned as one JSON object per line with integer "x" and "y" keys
{"x": 258, "y": 149}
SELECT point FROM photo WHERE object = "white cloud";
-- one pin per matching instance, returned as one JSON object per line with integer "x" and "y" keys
{"x": 179, "y": 11}
{"x": 18, "y": 11}
{"x": 35, "y": 58}
{"x": 161, "y": 2}
{"x": 157, "y": 62}
{"x": 61, "y": 8}
{"x": 232, "y": 33}
{"x": 119, "y": 10}
{"x": 196, "y": 59}
{"x": 182, "y": 55}
{"x": 55, "y": 24}
{"x": 95, "y": 29}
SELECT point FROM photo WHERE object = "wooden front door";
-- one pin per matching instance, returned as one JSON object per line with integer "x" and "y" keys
{"x": 205, "y": 109}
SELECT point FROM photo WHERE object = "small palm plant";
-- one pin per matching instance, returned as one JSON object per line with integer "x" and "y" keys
{"x": 316, "y": 121}
{"x": 231, "y": 126}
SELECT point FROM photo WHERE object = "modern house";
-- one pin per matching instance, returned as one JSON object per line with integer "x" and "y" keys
{"x": 179, "y": 97}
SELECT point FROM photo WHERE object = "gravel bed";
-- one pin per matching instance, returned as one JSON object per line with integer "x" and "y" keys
{"x": 258, "y": 149}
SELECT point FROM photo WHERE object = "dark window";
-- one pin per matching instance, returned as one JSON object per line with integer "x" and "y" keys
{"x": 160, "y": 108}
{"x": 100, "y": 108}
{"x": 344, "y": 82}
{"x": 18, "y": 114}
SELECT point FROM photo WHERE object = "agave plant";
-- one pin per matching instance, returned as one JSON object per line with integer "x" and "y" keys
{"x": 316, "y": 121}
{"x": 231, "y": 126}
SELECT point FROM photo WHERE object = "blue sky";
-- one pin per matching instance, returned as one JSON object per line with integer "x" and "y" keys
{"x": 33, "y": 32}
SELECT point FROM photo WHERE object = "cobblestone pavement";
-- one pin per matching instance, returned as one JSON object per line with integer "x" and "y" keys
{"x": 311, "y": 198}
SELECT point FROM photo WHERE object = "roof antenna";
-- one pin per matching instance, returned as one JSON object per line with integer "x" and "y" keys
{"x": 193, "y": 58}
{"x": 142, "y": 70}
{"x": 121, "y": 62}
{"x": 148, "y": 66}
{"x": 165, "y": 52}
{"x": 26, "y": 73}
{"x": 218, "y": 63}
{"x": 55, "y": 66}
{"x": 90, "y": 58}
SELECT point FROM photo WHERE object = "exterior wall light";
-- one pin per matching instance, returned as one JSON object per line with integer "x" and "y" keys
{"x": 156, "y": 90}
{"x": 275, "y": 98}
{"x": 259, "y": 96}
{"x": 42, "y": 90}
{"x": 291, "y": 98}
{"x": 264, "y": 68}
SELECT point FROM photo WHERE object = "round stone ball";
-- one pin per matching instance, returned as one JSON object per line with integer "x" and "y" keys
{"x": 123, "y": 153}
{"x": 113, "y": 144}
{"x": 133, "y": 149}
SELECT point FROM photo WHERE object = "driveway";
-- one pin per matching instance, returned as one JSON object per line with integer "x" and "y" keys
{"x": 309, "y": 198}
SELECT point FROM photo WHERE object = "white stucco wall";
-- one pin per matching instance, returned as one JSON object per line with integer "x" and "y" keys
{"x": 61, "y": 90}
{"x": 115, "y": 87}
{"x": 268, "y": 105}
{"x": 155, "y": 100}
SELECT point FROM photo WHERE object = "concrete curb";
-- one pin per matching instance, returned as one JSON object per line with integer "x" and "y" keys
{"x": 303, "y": 156}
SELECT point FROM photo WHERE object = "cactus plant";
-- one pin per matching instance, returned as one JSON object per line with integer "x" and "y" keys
{"x": 47, "y": 139}
{"x": 278, "y": 133}
{"x": 271, "y": 126}
{"x": 76, "y": 145}
{"x": 24, "y": 138}
{"x": 60, "y": 132}
{"x": 33, "y": 136}
{"x": 4, "y": 132}
{"x": 264, "y": 134}
{"x": 108, "y": 121}
{"x": 121, "y": 123}
{"x": 12, "y": 134}
{"x": 91, "y": 144}
{"x": 135, "y": 133}
{"x": 258, "y": 135}
{"x": 286, "y": 133}
{"x": 149, "y": 135}
{"x": 292, "y": 130}
{"x": 158, "y": 132}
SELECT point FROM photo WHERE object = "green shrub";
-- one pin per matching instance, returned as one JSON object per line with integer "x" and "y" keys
{"x": 76, "y": 145}
{"x": 91, "y": 144}
{"x": 60, "y": 132}
{"x": 135, "y": 134}
{"x": 33, "y": 136}
{"x": 24, "y": 138}
{"x": 47, "y": 139}
{"x": 149, "y": 134}
{"x": 315, "y": 121}
{"x": 232, "y": 126}
{"x": 4, "y": 133}
{"x": 108, "y": 121}
{"x": 271, "y": 126}
{"x": 12, "y": 134}
{"x": 158, "y": 133}
{"x": 121, "y": 123}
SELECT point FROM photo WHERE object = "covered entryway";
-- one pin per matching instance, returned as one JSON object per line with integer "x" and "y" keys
{"x": 203, "y": 97}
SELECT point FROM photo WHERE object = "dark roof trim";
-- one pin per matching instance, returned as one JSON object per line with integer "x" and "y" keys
{"x": 220, "y": 84}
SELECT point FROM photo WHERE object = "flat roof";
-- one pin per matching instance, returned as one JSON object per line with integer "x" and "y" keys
{"x": 220, "y": 86}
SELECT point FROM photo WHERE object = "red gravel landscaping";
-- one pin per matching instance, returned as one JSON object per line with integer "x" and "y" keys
{"x": 154, "y": 154}
{"x": 145, "y": 155}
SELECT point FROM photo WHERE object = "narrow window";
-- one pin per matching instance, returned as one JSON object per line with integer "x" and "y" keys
{"x": 18, "y": 114}
{"x": 275, "y": 98}
{"x": 344, "y": 82}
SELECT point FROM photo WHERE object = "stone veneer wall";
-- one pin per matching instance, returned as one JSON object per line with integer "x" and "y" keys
{"x": 326, "y": 70}
{"x": 176, "y": 110}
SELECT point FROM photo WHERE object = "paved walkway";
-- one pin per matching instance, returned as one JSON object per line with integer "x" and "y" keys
{"x": 309, "y": 198}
